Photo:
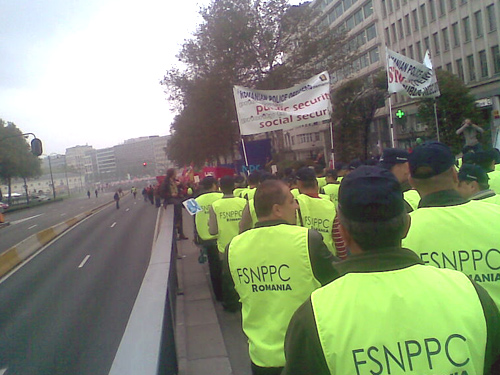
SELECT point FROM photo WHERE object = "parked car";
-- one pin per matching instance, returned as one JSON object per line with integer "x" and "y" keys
{"x": 4, "y": 205}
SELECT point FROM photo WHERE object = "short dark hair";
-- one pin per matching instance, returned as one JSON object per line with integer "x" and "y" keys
{"x": 227, "y": 184}
{"x": 208, "y": 182}
{"x": 374, "y": 235}
{"x": 254, "y": 178}
{"x": 269, "y": 193}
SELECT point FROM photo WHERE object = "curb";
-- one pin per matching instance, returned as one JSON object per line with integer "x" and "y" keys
{"x": 24, "y": 249}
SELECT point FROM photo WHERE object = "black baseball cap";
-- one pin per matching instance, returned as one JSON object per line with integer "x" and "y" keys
{"x": 393, "y": 156}
{"x": 430, "y": 159}
{"x": 305, "y": 174}
{"x": 370, "y": 194}
{"x": 471, "y": 172}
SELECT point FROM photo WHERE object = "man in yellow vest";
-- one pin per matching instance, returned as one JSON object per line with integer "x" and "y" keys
{"x": 332, "y": 185}
{"x": 314, "y": 212}
{"x": 207, "y": 241}
{"x": 387, "y": 312}
{"x": 447, "y": 230}
{"x": 396, "y": 160}
{"x": 274, "y": 267}
{"x": 486, "y": 160}
{"x": 473, "y": 184}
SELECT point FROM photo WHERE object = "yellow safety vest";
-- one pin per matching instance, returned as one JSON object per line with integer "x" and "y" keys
{"x": 318, "y": 214}
{"x": 201, "y": 219}
{"x": 464, "y": 237}
{"x": 494, "y": 181}
{"x": 416, "y": 320}
{"x": 412, "y": 197}
{"x": 273, "y": 276}
{"x": 321, "y": 182}
{"x": 332, "y": 190}
{"x": 228, "y": 212}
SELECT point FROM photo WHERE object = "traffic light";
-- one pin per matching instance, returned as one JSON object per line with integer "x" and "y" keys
{"x": 36, "y": 147}
{"x": 144, "y": 164}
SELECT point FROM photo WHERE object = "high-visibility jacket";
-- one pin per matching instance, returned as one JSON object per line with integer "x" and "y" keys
{"x": 321, "y": 181}
{"x": 272, "y": 273}
{"x": 201, "y": 219}
{"x": 228, "y": 212}
{"x": 238, "y": 191}
{"x": 412, "y": 197}
{"x": 295, "y": 192}
{"x": 494, "y": 181}
{"x": 332, "y": 190}
{"x": 464, "y": 237}
{"x": 415, "y": 320}
{"x": 318, "y": 214}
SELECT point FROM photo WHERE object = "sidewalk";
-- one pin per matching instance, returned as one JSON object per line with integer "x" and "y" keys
{"x": 209, "y": 340}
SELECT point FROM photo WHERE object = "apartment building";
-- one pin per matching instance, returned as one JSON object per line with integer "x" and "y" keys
{"x": 462, "y": 36}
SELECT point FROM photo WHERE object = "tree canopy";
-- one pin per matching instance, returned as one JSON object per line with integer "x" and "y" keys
{"x": 263, "y": 44}
{"x": 455, "y": 104}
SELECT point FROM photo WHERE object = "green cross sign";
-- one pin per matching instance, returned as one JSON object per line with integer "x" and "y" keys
{"x": 400, "y": 114}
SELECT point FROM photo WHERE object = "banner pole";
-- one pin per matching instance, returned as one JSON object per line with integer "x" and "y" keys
{"x": 391, "y": 121}
{"x": 245, "y": 154}
{"x": 332, "y": 154}
{"x": 436, "y": 117}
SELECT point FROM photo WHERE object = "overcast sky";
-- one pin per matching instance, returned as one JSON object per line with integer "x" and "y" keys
{"x": 77, "y": 72}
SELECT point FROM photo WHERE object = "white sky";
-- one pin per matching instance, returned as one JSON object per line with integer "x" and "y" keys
{"x": 78, "y": 72}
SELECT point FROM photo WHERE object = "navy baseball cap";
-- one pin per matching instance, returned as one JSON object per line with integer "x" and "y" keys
{"x": 370, "y": 194}
{"x": 430, "y": 159}
{"x": 356, "y": 163}
{"x": 393, "y": 156}
{"x": 305, "y": 174}
{"x": 471, "y": 172}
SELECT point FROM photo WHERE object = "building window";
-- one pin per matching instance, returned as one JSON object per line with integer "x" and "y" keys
{"x": 393, "y": 33}
{"x": 415, "y": 19}
{"x": 479, "y": 24}
{"x": 495, "y": 53}
{"x": 368, "y": 9}
{"x": 446, "y": 39}
{"x": 453, "y": 4}
{"x": 374, "y": 56}
{"x": 384, "y": 9}
{"x": 407, "y": 25}
{"x": 391, "y": 9}
{"x": 492, "y": 20}
{"x": 427, "y": 43}
{"x": 371, "y": 32}
{"x": 483, "y": 63}
{"x": 442, "y": 8}
{"x": 432, "y": 10}
{"x": 419, "y": 50}
{"x": 397, "y": 4}
{"x": 410, "y": 51}
{"x": 463, "y": 2}
{"x": 456, "y": 34}
{"x": 471, "y": 67}
{"x": 460, "y": 69}
{"x": 435, "y": 39}
{"x": 466, "y": 27}
{"x": 449, "y": 68}
{"x": 400, "y": 29}
{"x": 423, "y": 15}
{"x": 387, "y": 36}
{"x": 403, "y": 51}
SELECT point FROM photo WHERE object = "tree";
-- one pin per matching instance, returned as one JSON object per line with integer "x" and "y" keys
{"x": 264, "y": 44}
{"x": 455, "y": 104}
{"x": 355, "y": 103}
{"x": 16, "y": 159}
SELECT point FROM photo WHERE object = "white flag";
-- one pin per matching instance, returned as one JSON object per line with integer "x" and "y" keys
{"x": 434, "y": 82}
{"x": 408, "y": 76}
{"x": 261, "y": 111}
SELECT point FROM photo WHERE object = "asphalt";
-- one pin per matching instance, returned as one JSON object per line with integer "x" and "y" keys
{"x": 209, "y": 339}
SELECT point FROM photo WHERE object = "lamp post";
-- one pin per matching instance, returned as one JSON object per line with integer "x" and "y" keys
{"x": 52, "y": 178}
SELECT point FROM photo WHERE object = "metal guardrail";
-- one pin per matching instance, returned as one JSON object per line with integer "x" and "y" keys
{"x": 148, "y": 345}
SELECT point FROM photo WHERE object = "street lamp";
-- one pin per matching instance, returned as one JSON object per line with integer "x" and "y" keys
{"x": 52, "y": 178}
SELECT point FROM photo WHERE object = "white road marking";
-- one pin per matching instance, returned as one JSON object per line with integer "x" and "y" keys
{"x": 2, "y": 371}
{"x": 33, "y": 226}
{"x": 81, "y": 265}
{"x": 20, "y": 221}
{"x": 128, "y": 209}
{"x": 113, "y": 225}
{"x": 63, "y": 214}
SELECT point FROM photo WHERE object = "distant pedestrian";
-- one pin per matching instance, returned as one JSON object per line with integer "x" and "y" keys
{"x": 145, "y": 194}
{"x": 88, "y": 193}
{"x": 116, "y": 197}
{"x": 96, "y": 193}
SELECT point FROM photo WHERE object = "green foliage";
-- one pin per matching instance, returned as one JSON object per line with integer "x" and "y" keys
{"x": 265, "y": 44}
{"x": 16, "y": 159}
{"x": 354, "y": 104}
{"x": 455, "y": 104}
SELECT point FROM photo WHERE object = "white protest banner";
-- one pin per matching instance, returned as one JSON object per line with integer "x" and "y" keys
{"x": 434, "y": 82}
{"x": 261, "y": 111}
{"x": 408, "y": 76}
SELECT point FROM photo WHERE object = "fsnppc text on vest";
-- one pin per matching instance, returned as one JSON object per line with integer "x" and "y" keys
{"x": 234, "y": 215}
{"x": 467, "y": 261}
{"x": 419, "y": 356}
{"x": 265, "y": 278}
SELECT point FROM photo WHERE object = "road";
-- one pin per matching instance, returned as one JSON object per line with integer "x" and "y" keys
{"x": 24, "y": 223}
{"x": 64, "y": 312}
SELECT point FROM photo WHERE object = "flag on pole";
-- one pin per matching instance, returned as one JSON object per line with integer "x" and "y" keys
{"x": 434, "y": 82}
{"x": 405, "y": 75}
